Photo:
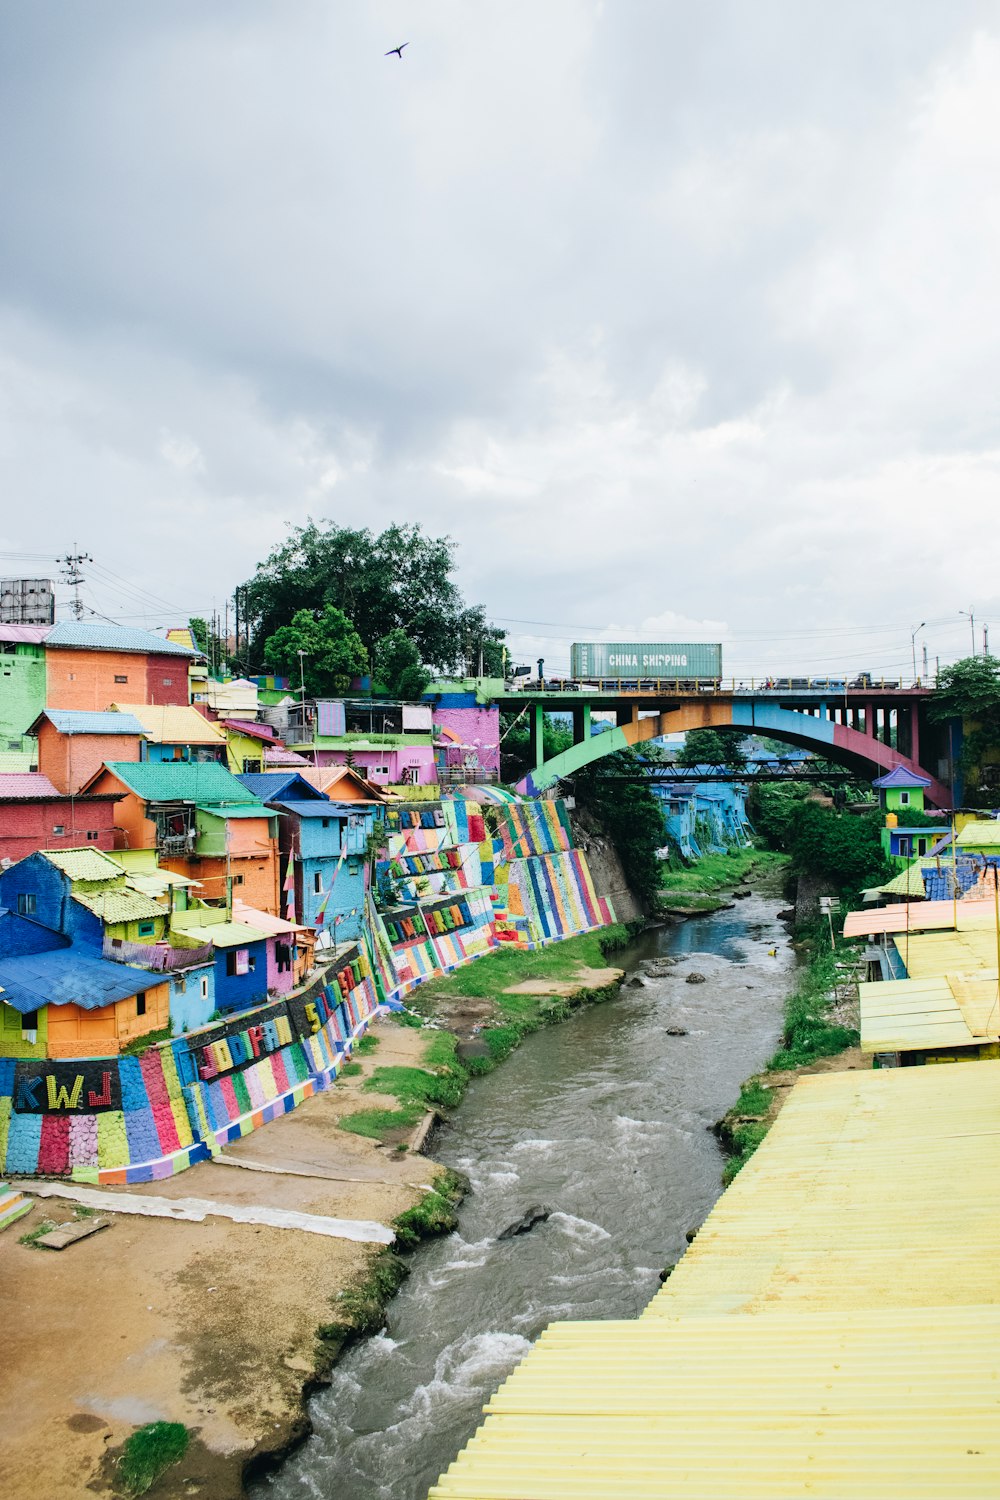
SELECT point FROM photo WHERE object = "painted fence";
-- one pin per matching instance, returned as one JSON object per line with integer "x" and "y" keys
{"x": 137, "y": 1119}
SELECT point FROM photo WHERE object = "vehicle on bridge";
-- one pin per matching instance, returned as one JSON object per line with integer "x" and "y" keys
{"x": 640, "y": 662}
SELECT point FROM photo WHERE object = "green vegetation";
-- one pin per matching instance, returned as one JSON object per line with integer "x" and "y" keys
{"x": 743, "y": 1141}
{"x": 414, "y": 1087}
{"x": 366, "y": 1044}
{"x": 148, "y": 1039}
{"x": 34, "y": 1235}
{"x": 399, "y": 579}
{"x": 713, "y": 747}
{"x": 434, "y": 1214}
{"x": 398, "y": 668}
{"x": 717, "y": 872}
{"x": 350, "y": 1070}
{"x": 808, "y": 1033}
{"x": 379, "y": 1124}
{"x": 149, "y": 1451}
{"x": 755, "y": 1099}
{"x": 629, "y": 813}
{"x": 332, "y": 651}
{"x": 970, "y": 690}
{"x": 508, "y": 966}
{"x": 842, "y": 849}
{"x": 360, "y": 1308}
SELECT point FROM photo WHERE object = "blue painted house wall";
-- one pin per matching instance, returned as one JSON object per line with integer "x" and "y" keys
{"x": 240, "y": 991}
{"x": 343, "y": 827}
{"x": 54, "y": 905}
{"x": 192, "y": 998}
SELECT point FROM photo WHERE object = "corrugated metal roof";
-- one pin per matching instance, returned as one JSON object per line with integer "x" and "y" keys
{"x": 921, "y": 916}
{"x": 833, "y": 1408}
{"x": 24, "y": 635}
{"x": 239, "y": 810}
{"x": 979, "y": 835}
{"x": 252, "y": 730}
{"x": 26, "y": 786}
{"x": 180, "y": 781}
{"x": 909, "y": 882}
{"x": 263, "y": 921}
{"x": 17, "y": 762}
{"x": 929, "y": 955}
{"x": 84, "y": 721}
{"x": 906, "y": 1015}
{"x": 157, "y": 882}
{"x": 84, "y": 864}
{"x": 173, "y": 723}
{"x": 120, "y": 905}
{"x": 87, "y": 635}
{"x": 68, "y": 977}
{"x": 270, "y": 785}
{"x": 221, "y": 934}
{"x": 324, "y": 809}
{"x": 833, "y": 1330}
{"x": 279, "y": 756}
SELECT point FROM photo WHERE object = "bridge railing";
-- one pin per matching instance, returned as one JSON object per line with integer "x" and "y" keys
{"x": 717, "y": 686}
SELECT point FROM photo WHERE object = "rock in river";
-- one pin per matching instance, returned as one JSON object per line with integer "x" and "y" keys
{"x": 695, "y": 979}
{"x": 536, "y": 1214}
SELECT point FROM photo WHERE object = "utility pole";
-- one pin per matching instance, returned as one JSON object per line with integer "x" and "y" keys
{"x": 971, "y": 617}
{"x": 71, "y": 574}
{"x": 986, "y": 640}
{"x": 925, "y": 662}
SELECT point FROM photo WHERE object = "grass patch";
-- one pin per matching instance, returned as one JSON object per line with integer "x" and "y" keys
{"x": 488, "y": 976}
{"x": 31, "y": 1238}
{"x": 360, "y": 1308}
{"x": 433, "y": 1215}
{"x": 808, "y": 1033}
{"x": 414, "y": 1086}
{"x": 148, "y": 1039}
{"x": 366, "y": 1044}
{"x": 440, "y": 1051}
{"x": 690, "y": 901}
{"x": 149, "y": 1451}
{"x": 754, "y": 1099}
{"x": 350, "y": 1070}
{"x": 379, "y": 1123}
{"x": 714, "y": 872}
{"x": 745, "y": 1139}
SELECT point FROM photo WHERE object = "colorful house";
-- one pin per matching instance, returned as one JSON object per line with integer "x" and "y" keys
{"x": 202, "y": 822}
{"x": 74, "y": 743}
{"x": 466, "y": 736}
{"x": 90, "y": 666}
{"x": 323, "y": 848}
{"x": 22, "y": 680}
{"x": 174, "y": 732}
{"x": 247, "y": 744}
{"x": 901, "y": 792}
{"x": 242, "y": 959}
{"x": 83, "y": 895}
{"x": 60, "y": 1000}
{"x": 34, "y": 815}
{"x": 389, "y": 742}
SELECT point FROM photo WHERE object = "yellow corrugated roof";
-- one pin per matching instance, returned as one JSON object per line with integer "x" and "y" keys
{"x": 979, "y": 835}
{"x": 920, "y": 916}
{"x": 903, "y": 1015}
{"x": 173, "y": 723}
{"x": 932, "y": 955}
{"x": 833, "y": 1331}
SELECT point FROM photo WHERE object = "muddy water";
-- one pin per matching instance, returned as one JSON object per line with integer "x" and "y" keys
{"x": 607, "y": 1121}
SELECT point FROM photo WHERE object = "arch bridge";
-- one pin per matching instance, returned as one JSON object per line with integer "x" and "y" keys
{"x": 869, "y": 730}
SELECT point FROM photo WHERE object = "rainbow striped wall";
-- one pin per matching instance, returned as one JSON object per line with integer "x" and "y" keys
{"x": 138, "y": 1119}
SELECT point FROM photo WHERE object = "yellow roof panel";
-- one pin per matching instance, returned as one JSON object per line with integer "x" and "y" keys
{"x": 919, "y": 916}
{"x": 903, "y": 1015}
{"x": 981, "y": 834}
{"x": 932, "y": 955}
{"x": 173, "y": 723}
{"x": 833, "y": 1331}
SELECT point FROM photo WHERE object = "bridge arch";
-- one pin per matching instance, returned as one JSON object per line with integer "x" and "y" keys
{"x": 859, "y": 752}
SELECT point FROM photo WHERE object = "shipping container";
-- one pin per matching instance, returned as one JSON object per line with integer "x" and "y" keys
{"x": 645, "y": 660}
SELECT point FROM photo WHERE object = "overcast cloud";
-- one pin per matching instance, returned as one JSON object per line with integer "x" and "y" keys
{"x": 680, "y": 318}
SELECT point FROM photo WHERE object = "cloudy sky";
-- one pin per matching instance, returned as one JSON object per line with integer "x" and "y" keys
{"x": 680, "y": 318}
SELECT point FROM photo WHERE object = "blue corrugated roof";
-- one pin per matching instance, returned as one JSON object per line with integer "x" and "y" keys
{"x": 66, "y": 977}
{"x": 322, "y": 809}
{"x": 84, "y": 721}
{"x": 269, "y": 786}
{"x": 112, "y": 638}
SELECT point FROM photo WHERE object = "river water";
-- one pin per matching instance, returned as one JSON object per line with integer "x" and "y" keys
{"x": 604, "y": 1119}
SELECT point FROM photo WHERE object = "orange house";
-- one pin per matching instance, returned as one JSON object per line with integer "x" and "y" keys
{"x": 74, "y": 743}
{"x": 89, "y": 666}
{"x": 67, "y": 1003}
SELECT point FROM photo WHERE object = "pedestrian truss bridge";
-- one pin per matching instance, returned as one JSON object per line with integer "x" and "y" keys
{"x": 869, "y": 727}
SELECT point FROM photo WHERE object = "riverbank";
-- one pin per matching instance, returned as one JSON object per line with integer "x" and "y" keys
{"x": 821, "y": 1035}
{"x": 710, "y": 883}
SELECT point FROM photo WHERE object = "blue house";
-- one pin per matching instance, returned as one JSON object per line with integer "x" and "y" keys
{"x": 323, "y": 843}
{"x": 240, "y": 961}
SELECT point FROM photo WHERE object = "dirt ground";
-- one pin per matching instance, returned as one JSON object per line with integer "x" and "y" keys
{"x": 211, "y": 1324}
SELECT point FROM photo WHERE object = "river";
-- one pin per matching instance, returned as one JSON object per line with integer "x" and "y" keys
{"x": 605, "y": 1119}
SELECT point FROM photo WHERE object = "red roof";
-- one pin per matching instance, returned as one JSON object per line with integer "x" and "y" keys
{"x": 25, "y": 786}
{"x": 255, "y": 731}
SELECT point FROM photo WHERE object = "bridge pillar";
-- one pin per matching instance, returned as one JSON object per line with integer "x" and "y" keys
{"x": 536, "y": 733}
{"x": 626, "y": 714}
{"x": 581, "y": 723}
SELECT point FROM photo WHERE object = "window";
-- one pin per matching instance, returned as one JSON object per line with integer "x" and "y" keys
{"x": 26, "y": 905}
{"x": 168, "y": 682}
{"x": 204, "y": 987}
{"x": 239, "y": 962}
{"x": 237, "y": 880}
{"x": 352, "y": 867}
{"x": 140, "y": 1005}
{"x": 70, "y": 676}
{"x": 29, "y": 1020}
{"x": 58, "y": 829}
{"x": 921, "y": 846}
{"x": 326, "y": 822}
{"x": 92, "y": 834}
{"x": 251, "y": 767}
{"x": 904, "y": 799}
{"x": 146, "y": 929}
{"x": 905, "y": 845}
{"x": 119, "y": 678}
{"x": 317, "y": 883}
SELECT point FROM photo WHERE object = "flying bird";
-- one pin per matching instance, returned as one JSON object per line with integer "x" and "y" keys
{"x": 397, "y": 51}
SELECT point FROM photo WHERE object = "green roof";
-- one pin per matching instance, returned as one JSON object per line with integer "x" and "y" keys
{"x": 909, "y": 882}
{"x": 221, "y": 934}
{"x": 84, "y": 864}
{"x": 981, "y": 834}
{"x": 121, "y": 906}
{"x": 180, "y": 781}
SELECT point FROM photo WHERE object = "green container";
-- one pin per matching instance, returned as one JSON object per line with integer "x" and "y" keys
{"x": 645, "y": 660}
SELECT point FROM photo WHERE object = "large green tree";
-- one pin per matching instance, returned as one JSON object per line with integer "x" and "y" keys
{"x": 398, "y": 579}
{"x": 712, "y": 747}
{"x": 969, "y": 690}
{"x": 332, "y": 651}
{"x": 398, "y": 667}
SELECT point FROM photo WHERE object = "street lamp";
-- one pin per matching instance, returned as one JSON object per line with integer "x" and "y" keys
{"x": 302, "y": 676}
{"x": 970, "y": 616}
{"x": 913, "y": 646}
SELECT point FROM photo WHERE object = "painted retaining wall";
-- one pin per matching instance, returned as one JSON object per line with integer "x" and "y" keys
{"x": 136, "y": 1119}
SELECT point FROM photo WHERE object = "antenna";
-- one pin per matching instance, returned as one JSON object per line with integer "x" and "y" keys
{"x": 71, "y": 574}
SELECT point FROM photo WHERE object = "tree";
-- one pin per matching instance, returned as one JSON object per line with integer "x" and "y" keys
{"x": 515, "y": 743}
{"x": 211, "y": 646}
{"x": 969, "y": 690}
{"x": 400, "y": 579}
{"x": 333, "y": 652}
{"x": 630, "y": 813}
{"x": 846, "y": 851}
{"x": 713, "y": 747}
{"x": 398, "y": 667}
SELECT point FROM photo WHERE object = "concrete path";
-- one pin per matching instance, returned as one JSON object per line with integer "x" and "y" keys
{"x": 195, "y": 1210}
